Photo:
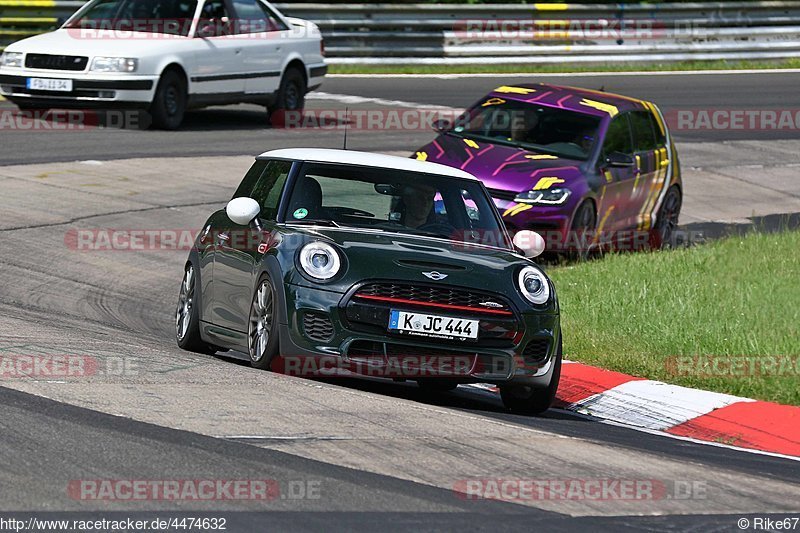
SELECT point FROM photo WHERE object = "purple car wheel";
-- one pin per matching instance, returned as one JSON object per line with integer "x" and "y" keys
{"x": 661, "y": 235}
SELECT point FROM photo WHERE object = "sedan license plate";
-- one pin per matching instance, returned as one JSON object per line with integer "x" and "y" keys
{"x": 423, "y": 325}
{"x": 48, "y": 84}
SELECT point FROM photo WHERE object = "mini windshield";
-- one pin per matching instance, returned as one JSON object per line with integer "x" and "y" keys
{"x": 397, "y": 201}
{"x": 536, "y": 127}
{"x": 172, "y": 17}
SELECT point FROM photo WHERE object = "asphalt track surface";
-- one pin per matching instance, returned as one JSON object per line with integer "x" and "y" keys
{"x": 242, "y": 130}
{"x": 384, "y": 454}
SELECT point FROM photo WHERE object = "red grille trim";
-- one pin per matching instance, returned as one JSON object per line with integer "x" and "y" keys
{"x": 391, "y": 299}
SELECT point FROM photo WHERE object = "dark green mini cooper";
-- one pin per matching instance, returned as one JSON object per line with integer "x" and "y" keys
{"x": 332, "y": 262}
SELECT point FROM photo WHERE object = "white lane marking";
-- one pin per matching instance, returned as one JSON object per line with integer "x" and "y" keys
{"x": 687, "y": 439}
{"x": 353, "y": 99}
{"x": 485, "y": 389}
{"x": 653, "y": 404}
{"x": 572, "y": 74}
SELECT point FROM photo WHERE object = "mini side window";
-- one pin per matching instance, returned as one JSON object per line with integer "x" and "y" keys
{"x": 264, "y": 183}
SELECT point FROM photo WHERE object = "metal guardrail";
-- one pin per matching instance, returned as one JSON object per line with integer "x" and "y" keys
{"x": 520, "y": 33}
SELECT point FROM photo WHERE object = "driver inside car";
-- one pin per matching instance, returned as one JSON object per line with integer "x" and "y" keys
{"x": 418, "y": 203}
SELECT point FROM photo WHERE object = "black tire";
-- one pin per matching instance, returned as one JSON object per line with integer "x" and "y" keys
{"x": 187, "y": 315}
{"x": 435, "y": 385}
{"x": 583, "y": 224}
{"x": 661, "y": 235}
{"x": 263, "y": 310}
{"x": 291, "y": 97}
{"x": 526, "y": 400}
{"x": 169, "y": 103}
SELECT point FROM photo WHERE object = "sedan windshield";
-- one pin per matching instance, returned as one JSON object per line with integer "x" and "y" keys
{"x": 172, "y": 17}
{"x": 398, "y": 201}
{"x": 531, "y": 126}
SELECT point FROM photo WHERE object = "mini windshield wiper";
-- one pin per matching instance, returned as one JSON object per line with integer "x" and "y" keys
{"x": 316, "y": 222}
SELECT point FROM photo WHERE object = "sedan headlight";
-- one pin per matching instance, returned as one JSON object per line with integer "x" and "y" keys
{"x": 320, "y": 260}
{"x": 115, "y": 64}
{"x": 11, "y": 59}
{"x": 549, "y": 197}
{"x": 533, "y": 285}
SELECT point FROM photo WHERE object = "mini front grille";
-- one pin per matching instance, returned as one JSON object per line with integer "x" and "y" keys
{"x": 536, "y": 351}
{"x": 444, "y": 296}
{"x": 318, "y": 326}
{"x": 56, "y": 62}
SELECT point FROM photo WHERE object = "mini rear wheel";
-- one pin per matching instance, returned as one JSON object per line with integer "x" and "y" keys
{"x": 187, "y": 317}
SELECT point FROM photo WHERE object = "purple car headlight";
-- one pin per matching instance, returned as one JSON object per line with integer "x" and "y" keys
{"x": 555, "y": 196}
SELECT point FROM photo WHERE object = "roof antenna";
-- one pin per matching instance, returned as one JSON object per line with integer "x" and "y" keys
{"x": 603, "y": 88}
{"x": 346, "y": 123}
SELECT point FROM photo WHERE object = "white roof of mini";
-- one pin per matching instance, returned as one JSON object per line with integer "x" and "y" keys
{"x": 352, "y": 157}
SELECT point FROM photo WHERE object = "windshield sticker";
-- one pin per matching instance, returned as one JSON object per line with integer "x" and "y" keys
{"x": 300, "y": 213}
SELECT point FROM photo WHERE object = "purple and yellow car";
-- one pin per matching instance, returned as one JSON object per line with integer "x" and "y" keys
{"x": 583, "y": 168}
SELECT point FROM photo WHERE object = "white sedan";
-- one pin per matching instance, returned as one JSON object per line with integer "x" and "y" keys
{"x": 167, "y": 56}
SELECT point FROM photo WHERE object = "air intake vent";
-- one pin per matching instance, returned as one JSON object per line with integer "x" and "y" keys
{"x": 536, "y": 351}
{"x": 317, "y": 326}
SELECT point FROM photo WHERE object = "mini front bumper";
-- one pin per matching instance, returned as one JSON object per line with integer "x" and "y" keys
{"x": 88, "y": 89}
{"x": 394, "y": 356}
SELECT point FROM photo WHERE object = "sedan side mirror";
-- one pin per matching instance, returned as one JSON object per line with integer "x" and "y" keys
{"x": 205, "y": 29}
{"x": 619, "y": 160}
{"x": 242, "y": 211}
{"x": 530, "y": 242}
{"x": 441, "y": 124}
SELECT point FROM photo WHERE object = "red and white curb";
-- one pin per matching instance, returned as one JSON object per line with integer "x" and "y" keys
{"x": 682, "y": 412}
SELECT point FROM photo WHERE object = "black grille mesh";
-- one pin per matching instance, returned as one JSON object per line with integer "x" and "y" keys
{"x": 317, "y": 326}
{"x": 536, "y": 350}
{"x": 56, "y": 62}
{"x": 433, "y": 295}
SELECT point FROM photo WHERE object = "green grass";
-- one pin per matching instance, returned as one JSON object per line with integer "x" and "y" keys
{"x": 566, "y": 67}
{"x": 735, "y": 297}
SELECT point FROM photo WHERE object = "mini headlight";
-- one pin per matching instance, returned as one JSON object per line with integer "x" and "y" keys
{"x": 555, "y": 196}
{"x": 11, "y": 59}
{"x": 533, "y": 285}
{"x": 115, "y": 64}
{"x": 320, "y": 260}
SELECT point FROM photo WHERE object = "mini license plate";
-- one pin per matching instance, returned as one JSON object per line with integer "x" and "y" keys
{"x": 48, "y": 84}
{"x": 424, "y": 325}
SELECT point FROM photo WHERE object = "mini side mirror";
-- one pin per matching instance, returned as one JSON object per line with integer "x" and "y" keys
{"x": 242, "y": 210}
{"x": 530, "y": 242}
